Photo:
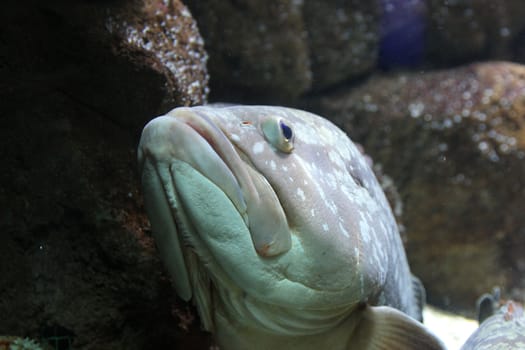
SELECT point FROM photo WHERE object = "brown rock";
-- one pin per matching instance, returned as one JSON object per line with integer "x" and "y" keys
{"x": 257, "y": 48}
{"x": 461, "y": 31}
{"x": 165, "y": 32}
{"x": 343, "y": 38}
{"x": 273, "y": 52}
{"x": 79, "y": 80}
{"x": 454, "y": 142}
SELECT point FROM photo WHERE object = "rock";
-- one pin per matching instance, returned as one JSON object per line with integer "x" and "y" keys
{"x": 343, "y": 39}
{"x": 273, "y": 52}
{"x": 454, "y": 143}
{"x": 462, "y": 31}
{"x": 167, "y": 35}
{"x": 257, "y": 49}
{"x": 79, "y": 80}
{"x": 96, "y": 53}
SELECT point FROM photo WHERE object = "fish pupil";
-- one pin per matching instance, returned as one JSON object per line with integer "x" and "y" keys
{"x": 287, "y": 131}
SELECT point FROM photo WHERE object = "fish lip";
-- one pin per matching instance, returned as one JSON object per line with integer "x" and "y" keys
{"x": 228, "y": 154}
{"x": 258, "y": 199}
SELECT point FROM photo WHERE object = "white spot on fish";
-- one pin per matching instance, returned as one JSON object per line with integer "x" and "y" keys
{"x": 290, "y": 178}
{"x": 330, "y": 180}
{"x": 284, "y": 167}
{"x": 312, "y": 212}
{"x": 272, "y": 164}
{"x": 258, "y": 147}
{"x": 235, "y": 137}
{"x": 364, "y": 228}
{"x": 344, "y": 231}
{"x": 300, "y": 193}
{"x": 325, "y": 227}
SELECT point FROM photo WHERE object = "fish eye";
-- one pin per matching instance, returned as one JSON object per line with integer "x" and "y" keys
{"x": 286, "y": 130}
{"x": 279, "y": 133}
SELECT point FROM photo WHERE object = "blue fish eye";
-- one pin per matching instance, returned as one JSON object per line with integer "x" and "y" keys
{"x": 287, "y": 131}
{"x": 278, "y": 132}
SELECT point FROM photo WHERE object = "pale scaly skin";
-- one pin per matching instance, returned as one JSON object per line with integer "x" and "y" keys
{"x": 505, "y": 330}
{"x": 272, "y": 222}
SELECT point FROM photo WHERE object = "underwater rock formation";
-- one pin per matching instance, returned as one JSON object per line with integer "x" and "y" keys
{"x": 79, "y": 80}
{"x": 257, "y": 49}
{"x": 343, "y": 39}
{"x": 264, "y": 52}
{"x": 453, "y": 141}
{"x": 261, "y": 52}
{"x": 461, "y": 31}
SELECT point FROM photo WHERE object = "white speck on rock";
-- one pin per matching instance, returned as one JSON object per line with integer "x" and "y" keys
{"x": 416, "y": 109}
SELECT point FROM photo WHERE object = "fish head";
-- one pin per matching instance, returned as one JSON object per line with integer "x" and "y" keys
{"x": 276, "y": 202}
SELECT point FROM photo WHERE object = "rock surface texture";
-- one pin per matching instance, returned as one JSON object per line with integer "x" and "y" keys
{"x": 454, "y": 143}
{"x": 277, "y": 51}
{"x": 461, "y": 31}
{"x": 79, "y": 81}
{"x": 257, "y": 49}
{"x": 343, "y": 39}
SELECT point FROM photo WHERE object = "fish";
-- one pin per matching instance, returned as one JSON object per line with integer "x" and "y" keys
{"x": 270, "y": 220}
{"x": 501, "y": 328}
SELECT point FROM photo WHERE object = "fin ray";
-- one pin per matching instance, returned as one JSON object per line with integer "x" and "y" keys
{"x": 385, "y": 328}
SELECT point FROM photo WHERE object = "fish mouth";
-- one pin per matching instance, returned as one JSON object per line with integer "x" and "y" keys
{"x": 192, "y": 137}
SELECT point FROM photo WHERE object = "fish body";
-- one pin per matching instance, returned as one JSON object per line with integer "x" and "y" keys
{"x": 271, "y": 220}
{"x": 504, "y": 330}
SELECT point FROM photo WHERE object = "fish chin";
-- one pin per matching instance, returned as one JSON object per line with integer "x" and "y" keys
{"x": 219, "y": 234}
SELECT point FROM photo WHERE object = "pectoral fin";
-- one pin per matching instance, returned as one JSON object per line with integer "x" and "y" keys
{"x": 385, "y": 328}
